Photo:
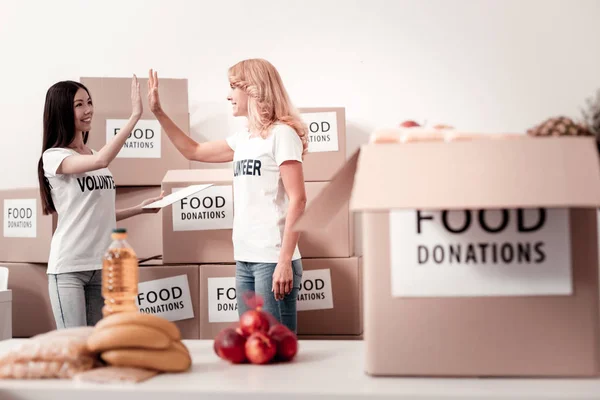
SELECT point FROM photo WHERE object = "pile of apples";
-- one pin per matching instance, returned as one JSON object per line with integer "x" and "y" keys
{"x": 258, "y": 338}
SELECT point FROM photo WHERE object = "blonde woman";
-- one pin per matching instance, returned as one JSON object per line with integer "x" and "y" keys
{"x": 269, "y": 193}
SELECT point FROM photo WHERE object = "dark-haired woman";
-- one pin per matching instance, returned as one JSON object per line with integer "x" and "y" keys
{"x": 75, "y": 182}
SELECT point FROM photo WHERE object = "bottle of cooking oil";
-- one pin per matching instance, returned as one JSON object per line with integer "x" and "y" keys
{"x": 119, "y": 275}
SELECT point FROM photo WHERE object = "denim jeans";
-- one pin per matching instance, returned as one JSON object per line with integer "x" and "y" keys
{"x": 258, "y": 277}
{"x": 76, "y": 298}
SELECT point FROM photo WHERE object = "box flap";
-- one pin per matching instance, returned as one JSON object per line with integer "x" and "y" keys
{"x": 190, "y": 176}
{"x": 479, "y": 173}
{"x": 323, "y": 208}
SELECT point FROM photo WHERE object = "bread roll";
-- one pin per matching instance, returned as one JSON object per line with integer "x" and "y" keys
{"x": 169, "y": 360}
{"x": 180, "y": 346}
{"x": 137, "y": 318}
{"x": 128, "y": 336}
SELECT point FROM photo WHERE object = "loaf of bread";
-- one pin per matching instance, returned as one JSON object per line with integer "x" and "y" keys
{"x": 128, "y": 336}
{"x": 140, "y": 341}
{"x": 58, "y": 354}
{"x": 136, "y": 318}
{"x": 173, "y": 359}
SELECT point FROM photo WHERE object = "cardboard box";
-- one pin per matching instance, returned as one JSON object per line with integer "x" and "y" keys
{"x": 32, "y": 310}
{"x": 171, "y": 292}
{"x": 336, "y": 240}
{"x": 144, "y": 232}
{"x": 330, "y": 337}
{"x": 218, "y": 301}
{"x": 330, "y": 299}
{"x": 198, "y": 229}
{"x": 5, "y": 314}
{"x": 329, "y": 302}
{"x": 26, "y": 232}
{"x": 520, "y": 299}
{"x": 327, "y": 142}
{"x": 148, "y": 154}
{"x": 193, "y": 233}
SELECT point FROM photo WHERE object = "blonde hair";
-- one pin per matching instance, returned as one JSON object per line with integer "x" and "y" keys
{"x": 268, "y": 101}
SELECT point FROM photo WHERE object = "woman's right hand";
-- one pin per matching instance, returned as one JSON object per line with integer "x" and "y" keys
{"x": 153, "y": 100}
{"x": 136, "y": 98}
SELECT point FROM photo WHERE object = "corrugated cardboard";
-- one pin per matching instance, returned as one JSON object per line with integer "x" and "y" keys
{"x": 329, "y": 302}
{"x": 324, "y": 157}
{"x": 344, "y": 314}
{"x": 511, "y": 335}
{"x": 26, "y": 237}
{"x": 221, "y": 298}
{"x": 149, "y": 271}
{"x": 143, "y": 166}
{"x": 202, "y": 244}
{"x": 32, "y": 310}
{"x": 215, "y": 245}
{"x": 144, "y": 231}
{"x": 335, "y": 240}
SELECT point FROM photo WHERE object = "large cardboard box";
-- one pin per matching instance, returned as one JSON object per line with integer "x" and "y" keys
{"x": 5, "y": 314}
{"x": 144, "y": 231}
{"x": 336, "y": 240}
{"x": 329, "y": 301}
{"x": 32, "y": 310}
{"x": 218, "y": 300}
{"x": 326, "y": 142}
{"x": 148, "y": 154}
{"x": 481, "y": 259}
{"x": 198, "y": 229}
{"x": 26, "y": 231}
{"x": 171, "y": 292}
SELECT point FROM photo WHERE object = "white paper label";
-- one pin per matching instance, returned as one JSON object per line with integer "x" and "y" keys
{"x": 316, "y": 290}
{"x": 168, "y": 298}
{"x": 222, "y": 302}
{"x": 516, "y": 252}
{"x": 20, "y": 218}
{"x": 322, "y": 131}
{"x": 210, "y": 209}
{"x": 143, "y": 142}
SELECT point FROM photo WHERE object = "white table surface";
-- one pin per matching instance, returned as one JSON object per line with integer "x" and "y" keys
{"x": 322, "y": 370}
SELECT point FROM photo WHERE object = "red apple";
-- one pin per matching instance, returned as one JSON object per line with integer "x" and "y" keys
{"x": 254, "y": 321}
{"x": 260, "y": 348}
{"x": 409, "y": 124}
{"x": 285, "y": 340}
{"x": 230, "y": 345}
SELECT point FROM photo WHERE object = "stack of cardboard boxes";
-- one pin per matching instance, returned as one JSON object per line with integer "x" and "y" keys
{"x": 187, "y": 267}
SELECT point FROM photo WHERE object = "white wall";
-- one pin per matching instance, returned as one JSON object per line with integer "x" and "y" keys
{"x": 482, "y": 65}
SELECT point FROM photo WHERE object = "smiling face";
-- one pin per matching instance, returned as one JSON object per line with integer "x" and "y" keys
{"x": 83, "y": 110}
{"x": 239, "y": 101}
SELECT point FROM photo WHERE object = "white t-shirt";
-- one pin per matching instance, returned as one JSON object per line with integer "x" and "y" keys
{"x": 260, "y": 201}
{"x": 85, "y": 204}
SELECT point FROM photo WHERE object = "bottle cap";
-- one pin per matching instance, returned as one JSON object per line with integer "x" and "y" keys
{"x": 120, "y": 230}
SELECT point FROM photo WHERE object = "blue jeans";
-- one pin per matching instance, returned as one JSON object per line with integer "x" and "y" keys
{"x": 258, "y": 277}
{"x": 76, "y": 298}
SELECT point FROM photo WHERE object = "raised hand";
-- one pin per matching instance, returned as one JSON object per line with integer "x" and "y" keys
{"x": 136, "y": 98}
{"x": 153, "y": 100}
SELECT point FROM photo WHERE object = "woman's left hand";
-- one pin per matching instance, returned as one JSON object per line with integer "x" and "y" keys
{"x": 149, "y": 201}
{"x": 282, "y": 280}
